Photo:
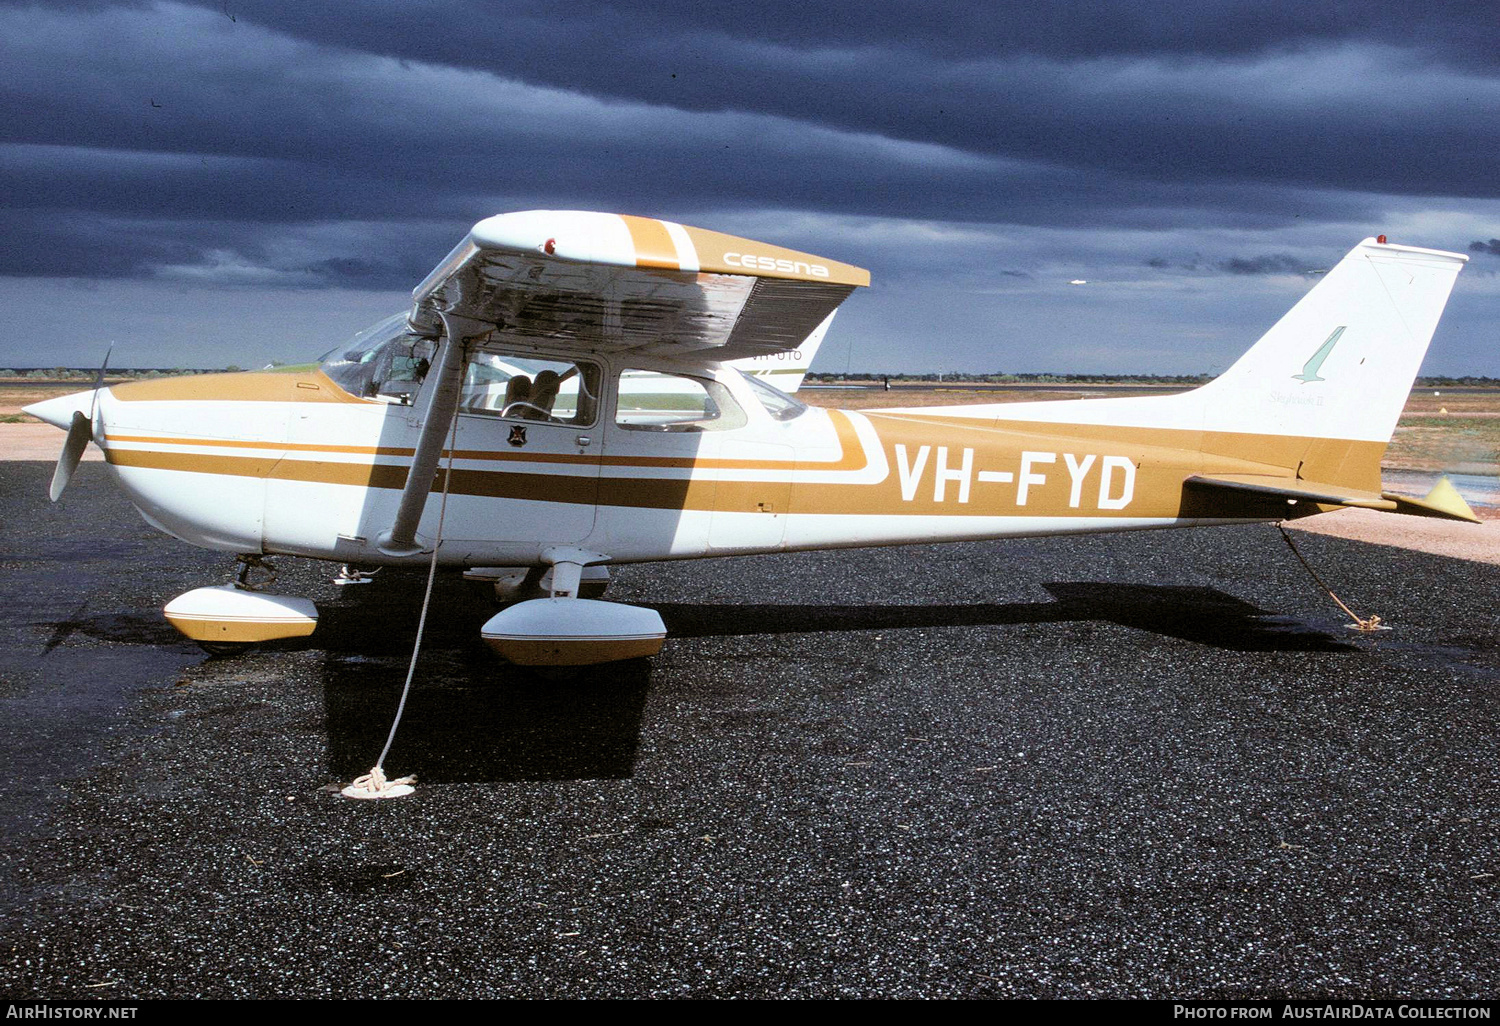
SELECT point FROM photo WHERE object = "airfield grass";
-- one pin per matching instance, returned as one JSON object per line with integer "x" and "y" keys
{"x": 1439, "y": 430}
{"x": 18, "y": 392}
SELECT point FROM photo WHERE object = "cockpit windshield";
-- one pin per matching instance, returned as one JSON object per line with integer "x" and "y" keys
{"x": 387, "y": 361}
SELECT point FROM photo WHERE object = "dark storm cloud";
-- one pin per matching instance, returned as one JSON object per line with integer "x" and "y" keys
{"x": 1277, "y": 263}
{"x": 1367, "y": 98}
{"x": 61, "y": 243}
{"x": 1492, "y": 247}
{"x": 233, "y": 140}
{"x": 1459, "y": 32}
{"x": 1259, "y": 264}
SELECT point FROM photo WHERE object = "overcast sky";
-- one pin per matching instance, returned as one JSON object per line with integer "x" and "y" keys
{"x": 244, "y": 180}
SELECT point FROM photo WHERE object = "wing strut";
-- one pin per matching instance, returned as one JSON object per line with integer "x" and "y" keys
{"x": 439, "y": 407}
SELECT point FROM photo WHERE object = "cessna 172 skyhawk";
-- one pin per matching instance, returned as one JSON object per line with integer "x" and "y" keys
{"x": 565, "y": 381}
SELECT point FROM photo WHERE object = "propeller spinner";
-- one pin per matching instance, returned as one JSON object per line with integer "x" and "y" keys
{"x": 80, "y": 427}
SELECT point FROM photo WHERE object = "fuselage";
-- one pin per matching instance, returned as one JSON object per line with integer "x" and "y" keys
{"x": 291, "y": 462}
{"x": 566, "y": 367}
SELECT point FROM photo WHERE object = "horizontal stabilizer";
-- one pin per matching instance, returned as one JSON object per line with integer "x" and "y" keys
{"x": 1443, "y": 501}
{"x": 1295, "y": 489}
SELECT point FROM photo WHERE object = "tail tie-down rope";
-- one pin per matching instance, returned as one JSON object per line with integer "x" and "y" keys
{"x": 1367, "y": 624}
{"x": 374, "y": 783}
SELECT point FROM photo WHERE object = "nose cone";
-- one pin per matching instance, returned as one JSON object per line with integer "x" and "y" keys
{"x": 59, "y": 412}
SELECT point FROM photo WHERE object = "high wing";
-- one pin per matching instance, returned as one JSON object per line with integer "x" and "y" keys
{"x": 610, "y": 283}
{"x": 578, "y": 282}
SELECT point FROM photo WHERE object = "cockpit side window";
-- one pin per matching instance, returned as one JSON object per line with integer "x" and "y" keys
{"x": 548, "y": 389}
{"x": 389, "y": 362}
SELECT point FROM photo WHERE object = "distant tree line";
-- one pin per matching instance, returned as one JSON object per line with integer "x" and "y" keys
{"x": 114, "y": 374}
{"x": 1468, "y": 380}
{"x": 947, "y": 377}
{"x": 960, "y": 377}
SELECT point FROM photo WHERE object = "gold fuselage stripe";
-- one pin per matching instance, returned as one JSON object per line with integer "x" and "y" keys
{"x": 1159, "y": 490}
{"x": 241, "y": 386}
{"x": 1165, "y": 458}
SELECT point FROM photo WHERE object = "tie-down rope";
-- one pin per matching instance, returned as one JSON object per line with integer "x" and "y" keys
{"x": 1360, "y": 623}
{"x": 374, "y": 783}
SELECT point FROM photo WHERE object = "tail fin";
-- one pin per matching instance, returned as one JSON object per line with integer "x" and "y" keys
{"x": 1308, "y": 410}
{"x": 1341, "y": 363}
{"x": 1338, "y": 366}
{"x": 786, "y": 370}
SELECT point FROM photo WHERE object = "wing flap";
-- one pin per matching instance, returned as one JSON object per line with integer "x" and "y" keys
{"x": 607, "y": 283}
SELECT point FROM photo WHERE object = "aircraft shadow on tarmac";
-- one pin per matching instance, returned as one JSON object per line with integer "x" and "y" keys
{"x": 383, "y": 627}
{"x": 473, "y": 718}
{"x": 500, "y": 724}
{"x": 1201, "y": 615}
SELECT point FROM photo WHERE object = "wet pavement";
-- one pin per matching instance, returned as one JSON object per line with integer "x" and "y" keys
{"x": 1139, "y": 765}
{"x": 1478, "y": 490}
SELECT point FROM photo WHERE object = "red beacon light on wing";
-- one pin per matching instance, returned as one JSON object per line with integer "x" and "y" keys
{"x": 1379, "y": 238}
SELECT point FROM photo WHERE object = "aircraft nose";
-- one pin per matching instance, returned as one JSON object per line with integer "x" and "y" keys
{"x": 59, "y": 412}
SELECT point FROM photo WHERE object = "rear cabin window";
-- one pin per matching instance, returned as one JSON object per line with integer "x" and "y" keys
{"x": 662, "y": 401}
{"x": 776, "y": 402}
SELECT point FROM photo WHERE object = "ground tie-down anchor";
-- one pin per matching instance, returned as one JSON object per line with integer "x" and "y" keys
{"x": 1369, "y": 624}
{"x": 349, "y": 575}
{"x": 374, "y": 785}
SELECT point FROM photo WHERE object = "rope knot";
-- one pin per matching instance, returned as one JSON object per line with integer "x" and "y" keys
{"x": 375, "y": 785}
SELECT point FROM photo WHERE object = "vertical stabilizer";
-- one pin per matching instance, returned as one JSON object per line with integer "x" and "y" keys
{"x": 1338, "y": 366}
{"x": 786, "y": 370}
{"x": 1341, "y": 363}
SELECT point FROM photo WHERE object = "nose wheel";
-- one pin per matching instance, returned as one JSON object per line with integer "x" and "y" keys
{"x": 223, "y": 649}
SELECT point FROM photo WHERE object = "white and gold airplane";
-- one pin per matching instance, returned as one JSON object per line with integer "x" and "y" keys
{"x": 568, "y": 391}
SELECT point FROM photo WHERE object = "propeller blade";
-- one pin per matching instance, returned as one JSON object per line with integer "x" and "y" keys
{"x": 80, "y": 432}
{"x": 99, "y": 381}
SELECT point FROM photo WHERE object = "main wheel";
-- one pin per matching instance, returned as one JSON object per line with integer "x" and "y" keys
{"x": 221, "y": 649}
